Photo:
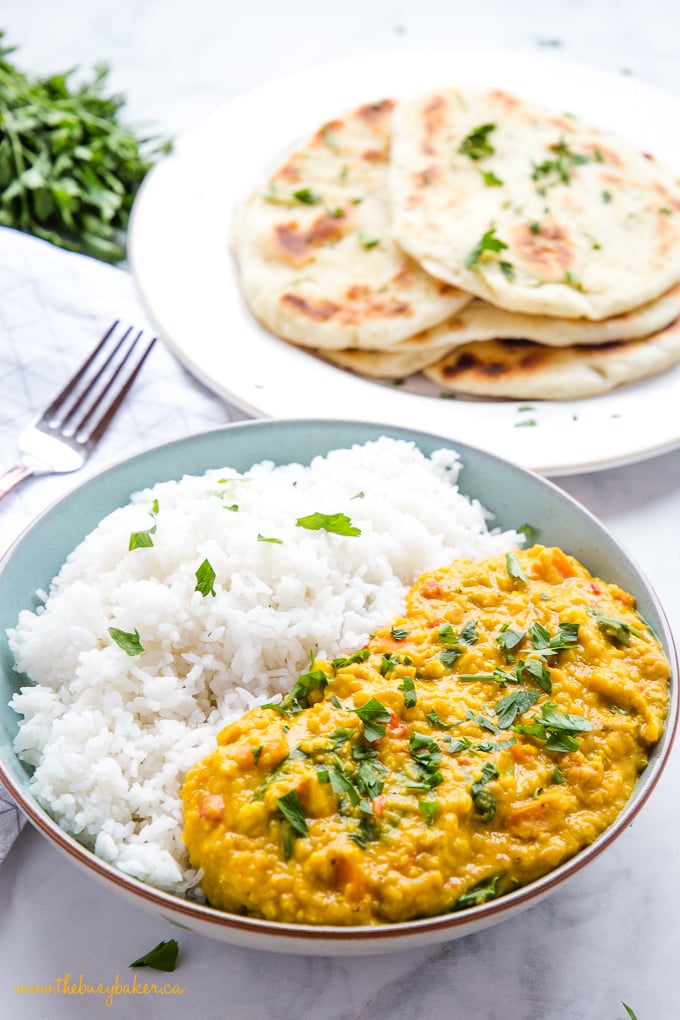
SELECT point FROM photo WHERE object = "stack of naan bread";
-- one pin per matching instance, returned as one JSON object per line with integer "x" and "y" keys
{"x": 502, "y": 249}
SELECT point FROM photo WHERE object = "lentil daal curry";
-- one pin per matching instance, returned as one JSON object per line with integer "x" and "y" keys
{"x": 474, "y": 745}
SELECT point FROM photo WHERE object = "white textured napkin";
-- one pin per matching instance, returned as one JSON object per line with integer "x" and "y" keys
{"x": 54, "y": 306}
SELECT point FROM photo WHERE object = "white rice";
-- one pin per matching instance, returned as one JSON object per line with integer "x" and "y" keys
{"x": 111, "y": 736}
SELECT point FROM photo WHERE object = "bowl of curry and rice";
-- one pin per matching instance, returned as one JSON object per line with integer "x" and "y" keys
{"x": 329, "y": 687}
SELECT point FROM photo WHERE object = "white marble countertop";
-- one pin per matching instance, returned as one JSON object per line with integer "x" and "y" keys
{"x": 608, "y": 936}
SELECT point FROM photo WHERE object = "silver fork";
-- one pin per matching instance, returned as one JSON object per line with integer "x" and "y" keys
{"x": 61, "y": 439}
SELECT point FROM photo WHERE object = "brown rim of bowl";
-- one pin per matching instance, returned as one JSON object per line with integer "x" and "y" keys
{"x": 523, "y": 896}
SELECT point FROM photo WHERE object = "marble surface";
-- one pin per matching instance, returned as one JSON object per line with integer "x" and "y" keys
{"x": 611, "y": 934}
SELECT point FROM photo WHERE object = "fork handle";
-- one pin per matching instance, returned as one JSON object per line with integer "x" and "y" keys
{"x": 12, "y": 477}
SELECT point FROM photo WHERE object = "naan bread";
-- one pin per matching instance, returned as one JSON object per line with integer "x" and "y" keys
{"x": 315, "y": 253}
{"x": 533, "y": 211}
{"x": 481, "y": 321}
{"x": 405, "y": 358}
{"x": 523, "y": 370}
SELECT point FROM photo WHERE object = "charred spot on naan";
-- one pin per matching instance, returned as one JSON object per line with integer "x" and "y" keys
{"x": 319, "y": 311}
{"x": 434, "y": 120}
{"x": 377, "y": 114}
{"x": 298, "y": 245}
{"x": 545, "y": 249}
{"x": 363, "y": 304}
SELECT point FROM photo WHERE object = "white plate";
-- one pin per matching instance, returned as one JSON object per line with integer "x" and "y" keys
{"x": 178, "y": 248}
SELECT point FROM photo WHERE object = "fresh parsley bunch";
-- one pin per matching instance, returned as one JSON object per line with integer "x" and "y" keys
{"x": 69, "y": 170}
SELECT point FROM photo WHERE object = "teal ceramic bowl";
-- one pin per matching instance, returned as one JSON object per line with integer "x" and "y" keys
{"x": 513, "y": 494}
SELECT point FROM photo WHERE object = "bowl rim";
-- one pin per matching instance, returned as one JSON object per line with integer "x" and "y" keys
{"x": 445, "y": 925}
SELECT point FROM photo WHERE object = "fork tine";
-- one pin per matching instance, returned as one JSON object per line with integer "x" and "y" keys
{"x": 72, "y": 385}
{"x": 103, "y": 423}
{"x": 91, "y": 388}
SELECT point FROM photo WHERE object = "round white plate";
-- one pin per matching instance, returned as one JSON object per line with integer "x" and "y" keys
{"x": 179, "y": 253}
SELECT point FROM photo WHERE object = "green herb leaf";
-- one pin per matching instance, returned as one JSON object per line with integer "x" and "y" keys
{"x": 161, "y": 957}
{"x": 469, "y": 633}
{"x": 290, "y": 807}
{"x": 510, "y": 638}
{"x": 69, "y": 168}
{"x": 409, "y": 688}
{"x": 130, "y": 643}
{"x": 476, "y": 145}
{"x": 435, "y": 720}
{"x": 617, "y": 630}
{"x": 489, "y": 244}
{"x": 307, "y": 196}
{"x": 374, "y": 716}
{"x": 142, "y": 539}
{"x": 478, "y": 894}
{"x": 429, "y": 809}
{"x": 343, "y": 786}
{"x": 514, "y": 705}
{"x": 398, "y": 633}
{"x": 337, "y": 524}
{"x": 367, "y": 240}
{"x": 558, "y": 170}
{"x": 536, "y": 670}
{"x": 556, "y": 728}
{"x": 514, "y": 569}
{"x": 274, "y": 541}
{"x": 205, "y": 579}
{"x": 483, "y": 800}
{"x": 490, "y": 179}
{"x": 306, "y": 683}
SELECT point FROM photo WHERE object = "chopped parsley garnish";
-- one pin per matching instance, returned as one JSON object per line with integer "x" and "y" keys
{"x": 490, "y": 179}
{"x": 469, "y": 633}
{"x": 478, "y": 894}
{"x": 617, "y": 630}
{"x": 409, "y": 688}
{"x": 274, "y": 541}
{"x": 256, "y": 752}
{"x": 290, "y": 807}
{"x": 548, "y": 644}
{"x": 367, "y": 240}
{"x": 536, "y": 670}
{"x": 489, "y": 246}
{"x": 398, "y": 633}
{"x": 205, "y": 579}
{"x": 342, "y": 785}
{"x": 161, "y": 957}
{"x": 435, "y": 720}
{"x": 482, "y": 798}
{"x": 429, "y": 809}
{"x": 374, "y": 716}
{"x": 307, "y": 196}
{"x": 559, "y": 169}
{"x": 427, "y": 754}
{"x": 497, "y": 676}
{"x": 306, "y": 683}
{"x": 476, "y": 145}
{"x": 348, "y": 660}
{"x": 510, "y": 638}
{"x": 457, "y": 744}
{"x": 130, "y": 643}
{"x": 482, "y": 720}
{"x": 388, "y": 663}
{"x": 528, "y": 530}
{"x": 556, "y": 728}
{"x": 514, "y": 705}
{"x": 337, "y": 524}
{"x": 142, "y": 539}
{"x": 514, "y": 569}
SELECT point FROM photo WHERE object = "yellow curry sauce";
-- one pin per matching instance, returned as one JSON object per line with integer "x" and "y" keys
{"x": 474, "y": 745}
